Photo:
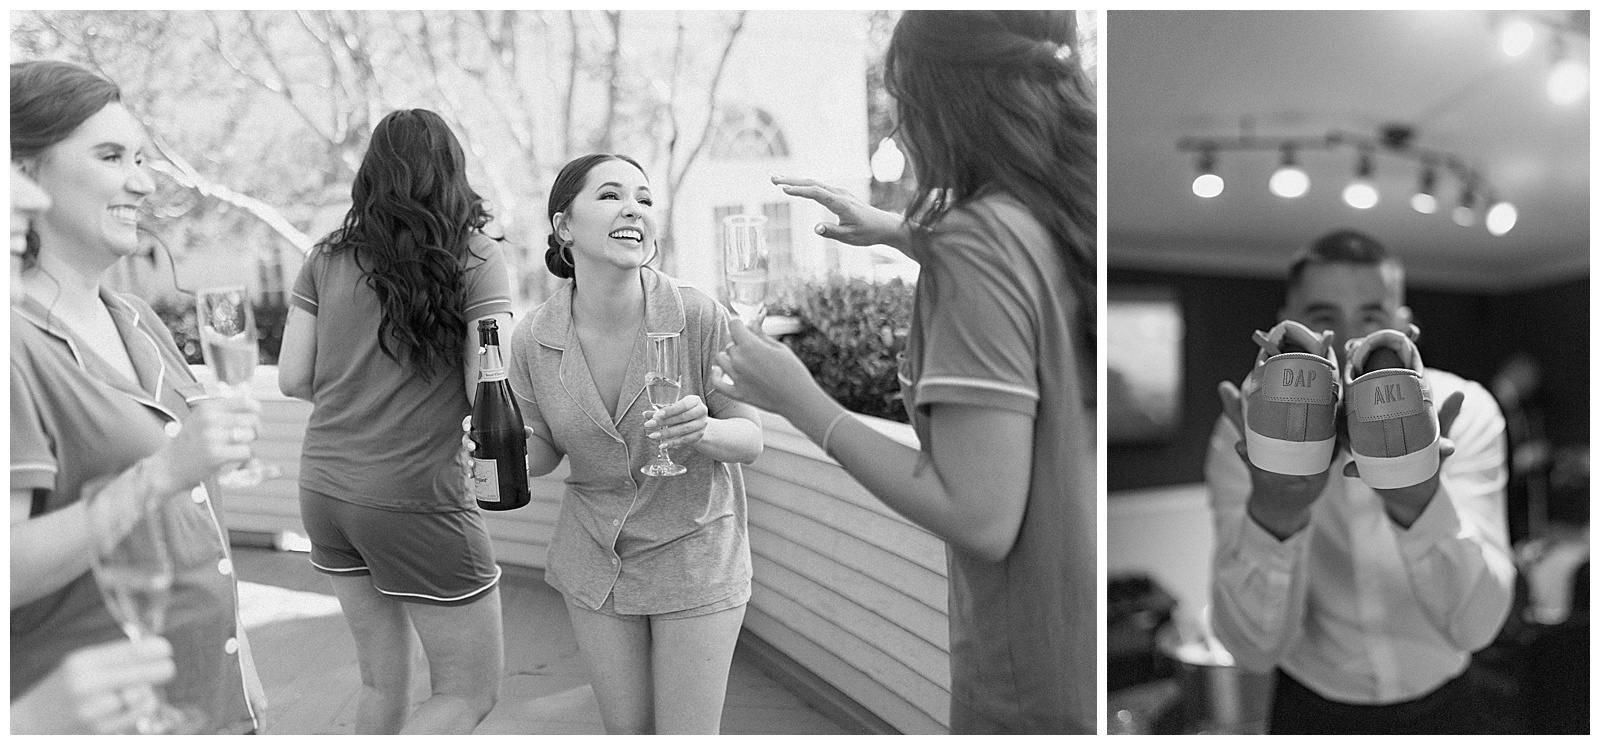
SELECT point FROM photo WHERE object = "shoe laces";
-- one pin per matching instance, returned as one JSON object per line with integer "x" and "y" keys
{"x": 1358, "y": 352}
{"x": 1291, "y": 336}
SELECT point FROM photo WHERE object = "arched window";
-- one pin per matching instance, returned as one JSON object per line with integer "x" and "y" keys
{"x": 746, "y": 133}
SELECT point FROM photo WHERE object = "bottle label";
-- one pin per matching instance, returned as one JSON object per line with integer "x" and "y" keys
{"x": 485, "y": 480}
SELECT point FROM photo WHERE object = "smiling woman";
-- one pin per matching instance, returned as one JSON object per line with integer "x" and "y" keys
{"x": 108, "y": 426}
{"x": 655, "y": 571}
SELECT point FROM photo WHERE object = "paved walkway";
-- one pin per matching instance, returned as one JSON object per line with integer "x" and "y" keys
{"x": 306, "y": 658}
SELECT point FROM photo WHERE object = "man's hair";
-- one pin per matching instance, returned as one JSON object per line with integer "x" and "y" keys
{"x": 1348, "y": 247}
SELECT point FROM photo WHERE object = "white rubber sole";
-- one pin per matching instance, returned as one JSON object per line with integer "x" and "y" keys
{"x": 1289, "y": 457}
{"x": 1398, "y": 472}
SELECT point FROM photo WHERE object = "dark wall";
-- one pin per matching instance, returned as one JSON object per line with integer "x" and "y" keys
{"x": 1470, "y": 334}
{"x": 1551, "y": 325}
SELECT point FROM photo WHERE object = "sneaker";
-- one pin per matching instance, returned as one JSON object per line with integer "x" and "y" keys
{"x": 1394, "y": 430}
{"x": 1289, "y": 401}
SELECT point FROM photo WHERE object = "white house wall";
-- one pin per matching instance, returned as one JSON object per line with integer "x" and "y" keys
{"x": 808, "y": 70}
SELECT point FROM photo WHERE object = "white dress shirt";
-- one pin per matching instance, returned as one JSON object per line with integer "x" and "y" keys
{"x": 1355, "y": 607}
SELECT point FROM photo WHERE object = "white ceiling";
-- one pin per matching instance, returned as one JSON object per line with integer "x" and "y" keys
{"x": 1171, "y": 74}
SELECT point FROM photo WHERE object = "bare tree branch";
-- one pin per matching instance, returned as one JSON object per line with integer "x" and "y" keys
{"x": 502, "y": 51}
{"x": 614, "y": 62}
{"x": 216, "y": 45}
{"x": 675, "y": 178}
{"x": 178, "y": 168}
{"x": 672, "y": 89}
{"x": 572, "y": 86}
{"x": 711, "y": 103}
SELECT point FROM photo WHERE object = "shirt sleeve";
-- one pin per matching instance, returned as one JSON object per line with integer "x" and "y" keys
{"x": 488, "y": 282}
{"x": 980, "y": 338}
{"x": 33, "y": 460}
{"x": 519, "y": 373}
{"x": 1458, "y": 553}
{"x": 304, "y": 293}
{"x": 1259, "y": 588}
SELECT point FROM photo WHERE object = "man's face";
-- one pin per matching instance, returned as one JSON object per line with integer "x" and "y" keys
{"x": 1351, "y": 300}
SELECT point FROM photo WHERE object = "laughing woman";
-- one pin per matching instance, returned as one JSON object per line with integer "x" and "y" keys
{"x": 655, "y": 570}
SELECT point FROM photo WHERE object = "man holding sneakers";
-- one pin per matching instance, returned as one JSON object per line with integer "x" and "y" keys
{"x": 1359, "y": 505}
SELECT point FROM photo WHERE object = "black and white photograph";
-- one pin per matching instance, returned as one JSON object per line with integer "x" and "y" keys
{"x": 1369, "y": 511}
{"x": 528, "y": 371}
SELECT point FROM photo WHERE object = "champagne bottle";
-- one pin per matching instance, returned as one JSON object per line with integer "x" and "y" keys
{"x": 500, "y": 447}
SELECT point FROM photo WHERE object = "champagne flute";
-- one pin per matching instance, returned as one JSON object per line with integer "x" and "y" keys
{"x": 228, "y": 342}
{"x": 662, "y": 382}
{"x": 135, "y": 574}
{"x": 744, "y": 263}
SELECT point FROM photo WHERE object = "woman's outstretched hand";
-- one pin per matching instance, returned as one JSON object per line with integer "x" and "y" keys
{"x": 860, "y": 224}
{"x": 761, "y": 371}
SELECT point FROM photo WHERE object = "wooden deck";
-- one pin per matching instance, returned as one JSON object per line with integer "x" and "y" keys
{"x": 847, "y": 600}
{"x": 306, "y": 658}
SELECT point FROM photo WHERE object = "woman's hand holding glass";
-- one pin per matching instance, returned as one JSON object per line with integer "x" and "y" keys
{"x": 679, "y": 424}
{"x": 763, "y": 372}
{"x": 217, "y": 433}
{"x": 860, "y": 224}
{"x": 228, "y": 342}
{"x": 136, "y": 572}
{"x": 105, "y": 689}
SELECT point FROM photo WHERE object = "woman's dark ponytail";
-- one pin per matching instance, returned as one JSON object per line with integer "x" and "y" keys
{"x": 558, "y": 258}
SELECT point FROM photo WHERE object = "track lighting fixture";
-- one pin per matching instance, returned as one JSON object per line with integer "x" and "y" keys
{"x": 1208, "y": 184}
{"x": 1289, "y": 181}
{"x": 1424, "y": 201}
{"x": 1360, "y": 193}
{"x": 1393, "y": 142}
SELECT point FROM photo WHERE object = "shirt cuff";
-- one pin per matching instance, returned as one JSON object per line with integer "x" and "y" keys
{"x": 27, "y": 476}
{"x": 1267, "y": 551}
{"x": 1438, "y": 522}
{"x": 951, "y": 389}
{"x": 303, "y": 303}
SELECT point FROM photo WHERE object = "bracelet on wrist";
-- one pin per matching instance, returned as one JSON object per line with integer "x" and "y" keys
{"x": 827, "y": 434}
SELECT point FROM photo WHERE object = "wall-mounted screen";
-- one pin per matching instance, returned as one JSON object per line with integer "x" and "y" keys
{"x": 1144, "y": 364}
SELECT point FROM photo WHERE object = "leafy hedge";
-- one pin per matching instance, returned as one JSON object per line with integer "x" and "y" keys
{"x": 853, "y": 332}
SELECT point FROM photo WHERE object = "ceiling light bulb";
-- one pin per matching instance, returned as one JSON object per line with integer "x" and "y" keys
{"x": 1423, "y": 201}
{"x": 1361, "y": 194}
{"x": 1569, "y": 81}
{"x": 1289, "y": 182}
{"x": 1207, "y": 185}
{"x": 1501, "y": 218}
{"x": 1516, "y": 37}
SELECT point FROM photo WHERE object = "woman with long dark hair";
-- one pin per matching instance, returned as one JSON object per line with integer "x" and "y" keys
{"x": 998, "y": 120}
{"x": 655, "y": 569}
{"x": 109, "y": 427}
{"x": 382, "y": 340}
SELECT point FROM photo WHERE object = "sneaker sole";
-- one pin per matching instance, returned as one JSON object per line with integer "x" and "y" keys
{"x": 1401, "y": 471}
{"x": 1289, "y": 457}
